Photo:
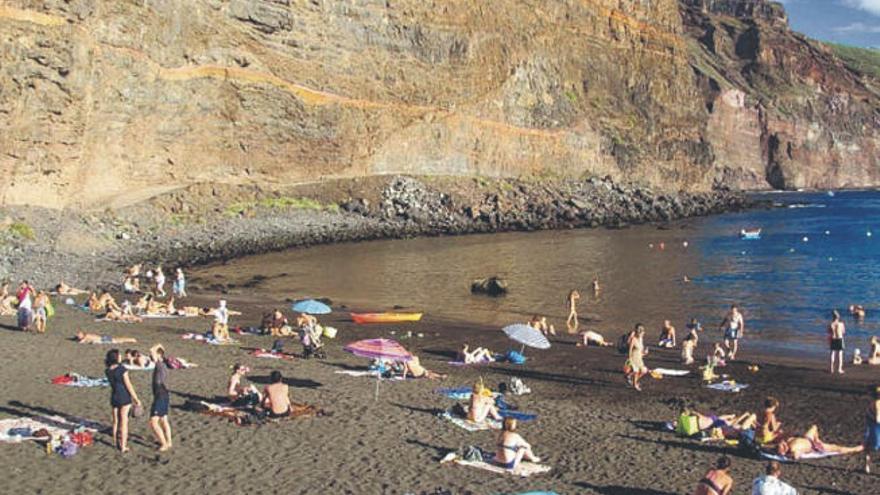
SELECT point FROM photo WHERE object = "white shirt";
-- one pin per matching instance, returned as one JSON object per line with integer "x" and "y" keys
{"x": 221, "y": 316}
{"x": 771, "y": 485}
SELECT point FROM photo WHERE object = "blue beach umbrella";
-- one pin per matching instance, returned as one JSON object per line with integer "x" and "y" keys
{"x": 312, "y": 307}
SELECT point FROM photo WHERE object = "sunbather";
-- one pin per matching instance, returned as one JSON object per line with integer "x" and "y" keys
{"x": 590, "y": 337}
{"x": 730, "y": 424}
{"x": 237, "y": 392}
{"x": 103, "y": 303}
{"x": 796, "y": 447}
{"x": 8, "y": 302}
{"x": 276, "y": 396}
{"x": 716, "y": 481}
{"x": 478, "y": 355}
{"x": 131, "y": 285}
{"x": 512, "y": 448}
{"x": 414, "y": 367}
{"x": 275, "y": 324}
{"x": 482, "y": 404}
{"x": 93, "y": 338}
{"x": 124, "y": 314}
{"x": 769, "y": 429}
{"x": 135, "y": 358}
{"x": 63, "y": 289}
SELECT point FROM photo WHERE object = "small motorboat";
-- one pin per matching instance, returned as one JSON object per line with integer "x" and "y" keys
{"x": 750, "y": 234}
{"x": 361, "y": 318}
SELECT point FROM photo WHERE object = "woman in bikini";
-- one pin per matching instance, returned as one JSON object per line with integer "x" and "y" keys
{"x": 476, "y": 356}
{"x": 414, "y": 367}
{"x": 482, "y": 405}
{"x": 717, "y": 481}
{"x": 769, "y": 428}
{"x": 122, "y": 396}
{"x": 512, "y": 448}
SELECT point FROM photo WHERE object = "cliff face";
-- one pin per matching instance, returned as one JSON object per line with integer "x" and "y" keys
{"x": 106, "y": 102}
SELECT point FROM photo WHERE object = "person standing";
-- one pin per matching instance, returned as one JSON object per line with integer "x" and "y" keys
{"x": 25, "y": 306}
{"x": 734, "y": 327}
{"x": 872, "y": 428}
{"x": 122, "y": 395}
{"x": 572, "y": 321}
{"x": 161, "y": 399}
{"x": 41, "y": 311}
{"x": 770, "y": 482}
{"x": 635, "y": 361}
{"x": 179, "y": 287}
{"x": 221, "y": 322}
{"x": 160, "y": 282}
{"x": 717, "y": 481}
{"x": 836, "y": 331}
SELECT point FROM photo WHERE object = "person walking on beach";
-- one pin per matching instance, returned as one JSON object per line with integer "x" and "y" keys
{"x": 25, "y": 306}
{"x": 770, "y": 484}
{"x": 160, "y": 281}
{"x": 836, "y": 331}
{"x": 122, "y": 395}
{"x": 734, "y": 327}
{"x": 872, "y": 428}
{"x": 717, "y": 481}
{"x": 635, "y": 363}
{"x": 572, "y": 321}
{"x": 179, "y": 287}
{"x": 159, "y": 410}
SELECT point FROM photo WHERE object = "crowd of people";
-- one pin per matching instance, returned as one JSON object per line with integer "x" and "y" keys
{"x": 33, "y": 309}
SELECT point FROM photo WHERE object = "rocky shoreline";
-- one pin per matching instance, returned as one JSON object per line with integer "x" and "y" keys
{"x": 88, "y": 249}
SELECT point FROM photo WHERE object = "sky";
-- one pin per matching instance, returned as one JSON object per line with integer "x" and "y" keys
{"x": 852, "y": 22}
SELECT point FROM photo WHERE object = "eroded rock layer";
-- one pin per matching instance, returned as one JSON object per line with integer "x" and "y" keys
{"x": 108, "y": 102}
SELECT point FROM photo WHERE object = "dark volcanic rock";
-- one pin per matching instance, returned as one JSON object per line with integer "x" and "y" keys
{"x": 491, "y": 286}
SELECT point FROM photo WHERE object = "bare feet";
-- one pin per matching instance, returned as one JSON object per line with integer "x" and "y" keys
{"x": 164, "y": 448}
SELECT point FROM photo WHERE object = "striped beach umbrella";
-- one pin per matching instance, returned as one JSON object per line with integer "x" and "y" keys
{"x": 379, "y": 349}
{"x": 527, "y": 336}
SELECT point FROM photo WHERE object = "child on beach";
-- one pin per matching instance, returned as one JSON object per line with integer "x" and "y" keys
{"x": 667, "y": 335}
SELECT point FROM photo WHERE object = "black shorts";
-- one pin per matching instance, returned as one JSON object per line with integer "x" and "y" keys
{"x": 836, "y": 344}
{"x": 160, "y": 406}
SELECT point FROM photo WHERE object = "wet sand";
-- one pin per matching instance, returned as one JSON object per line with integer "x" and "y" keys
{"x": 599, "y": 436}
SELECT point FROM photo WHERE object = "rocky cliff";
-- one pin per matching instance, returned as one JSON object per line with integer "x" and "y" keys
{"x": 108, "y": 102}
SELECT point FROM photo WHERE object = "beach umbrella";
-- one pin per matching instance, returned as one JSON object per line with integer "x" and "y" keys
{"x": 527, "y": 336}
{"x": 379, "y": 349}
{"x": 312, "y": 307}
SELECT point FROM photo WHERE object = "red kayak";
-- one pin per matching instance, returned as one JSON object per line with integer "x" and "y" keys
{"x": 361, "y": 318}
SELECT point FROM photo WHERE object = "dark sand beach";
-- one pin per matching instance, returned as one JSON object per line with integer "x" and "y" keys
{"x": 599, "y": 436}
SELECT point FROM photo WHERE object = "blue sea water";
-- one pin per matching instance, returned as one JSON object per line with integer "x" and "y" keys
{"x": 815, "y": 254}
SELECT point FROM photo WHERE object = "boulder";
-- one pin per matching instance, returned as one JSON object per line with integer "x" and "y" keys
{"x": 491, "y": 286}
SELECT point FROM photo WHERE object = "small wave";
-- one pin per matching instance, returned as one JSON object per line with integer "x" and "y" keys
{"x": 806, "y": 205}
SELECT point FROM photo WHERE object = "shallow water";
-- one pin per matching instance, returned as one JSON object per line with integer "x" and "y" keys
{"x": 786, "y": 286}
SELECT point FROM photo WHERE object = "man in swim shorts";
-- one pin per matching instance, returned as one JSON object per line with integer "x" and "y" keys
{"x": 734, "y": 327}
{"x": 836, "y": 331}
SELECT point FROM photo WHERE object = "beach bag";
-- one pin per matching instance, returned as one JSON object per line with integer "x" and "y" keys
{"x": 472, "y": 454}
{"x": 623, "y": 344}
{"x": 687, "y": 426}
{"x": 50, "y": 310}
{"x": 515, "y": 357}
{"x": 330, "y": 332}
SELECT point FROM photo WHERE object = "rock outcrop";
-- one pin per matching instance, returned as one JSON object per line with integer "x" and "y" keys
{"x": 105, "y": 103}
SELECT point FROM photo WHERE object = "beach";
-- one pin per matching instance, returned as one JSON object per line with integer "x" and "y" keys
{"x": 598, "y": 435}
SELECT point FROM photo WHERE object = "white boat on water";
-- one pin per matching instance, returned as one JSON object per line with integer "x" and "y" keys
{"x": 750, "y": 233}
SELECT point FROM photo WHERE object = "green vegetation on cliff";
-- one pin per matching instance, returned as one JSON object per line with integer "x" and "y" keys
{"x": 863, "y": 60}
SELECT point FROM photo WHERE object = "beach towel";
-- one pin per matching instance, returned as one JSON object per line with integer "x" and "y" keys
{"x": 159, "y": 316}
{"x": 98, "y": 320}
{"x": 727, "y": 386}
{"x": 812, "y": 455}
{"x": 205, "y": 339}
{"x": 524, "y": 470}
{"x": 15, "y": 430}
{"x": 669, "y": 372}
{"x": 264, "y": 353}
{"x": 77, "y": 380}
{"x": 371, "y": 373}
{"x": 461, "y": 393}
{"x": 488, "y": 424}
{"x": 131, "y": 367}
{"x": 246, "y": 416}
{"x": 462, "y": 363}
